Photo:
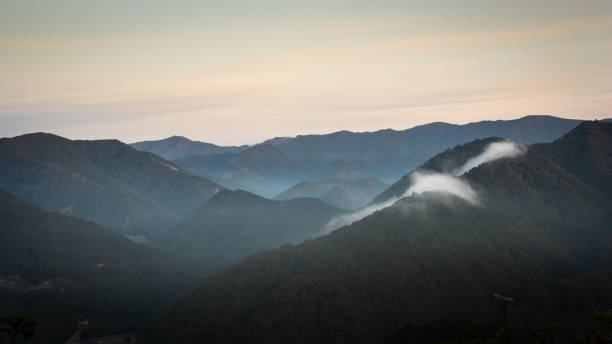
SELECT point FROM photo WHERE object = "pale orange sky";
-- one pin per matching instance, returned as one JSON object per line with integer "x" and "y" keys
{"x": 238, "y": 72}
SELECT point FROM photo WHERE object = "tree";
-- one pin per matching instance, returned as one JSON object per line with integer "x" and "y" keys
{"x": 601, "y": 331}
{"x": 18, "y": 329}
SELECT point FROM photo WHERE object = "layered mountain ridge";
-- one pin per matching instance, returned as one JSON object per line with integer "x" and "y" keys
{"x": 385, "y": 154}
{"x": 132, "y": 192}
{"x": 540, "y": 232}
{"x": 60, "y": 270}
{"x": 235, "y": 224}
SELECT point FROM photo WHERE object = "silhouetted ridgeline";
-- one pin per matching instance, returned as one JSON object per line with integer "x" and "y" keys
{"x": 279, "y": 163}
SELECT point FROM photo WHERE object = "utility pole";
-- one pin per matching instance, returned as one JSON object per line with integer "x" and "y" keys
{"x": 76, "y": 336}
{"x": 501, "y": 312}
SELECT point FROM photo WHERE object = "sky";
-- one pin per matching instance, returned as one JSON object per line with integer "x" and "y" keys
{"x": 239, "y": 72}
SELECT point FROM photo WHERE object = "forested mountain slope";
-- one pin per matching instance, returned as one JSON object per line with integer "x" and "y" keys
{"x": 59, "y": 270}
{"x": 539, "y": 231}
{"x": 106, "y": 181}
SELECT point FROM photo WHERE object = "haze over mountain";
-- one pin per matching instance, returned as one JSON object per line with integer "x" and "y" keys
{"x": 342, "y": 193}
{"x": 177, "y": 147}
{"x": 445, "y": 162}
{"x": 355, "y": 194}
{"x": 312, "y": 189}
{"x": 392, "y": 143}
{"x": 539, "y": 231}
{"x": 60, "y": 270}
{"x": 235, "y": 224}
{"x": 384, "y": 154}
{"x": 106, "y": 181}
{"x": 262, "y": 169}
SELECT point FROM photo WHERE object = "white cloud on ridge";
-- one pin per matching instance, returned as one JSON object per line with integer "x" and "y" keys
{"x": 494, "y": 151}
{"x": 436, "y": 182}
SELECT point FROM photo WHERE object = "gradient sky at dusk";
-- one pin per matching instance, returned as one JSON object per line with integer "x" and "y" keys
{"x": 236, "y": 72}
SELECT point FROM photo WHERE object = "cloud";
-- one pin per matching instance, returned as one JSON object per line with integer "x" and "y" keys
{"x": 437, "y": 182}
{"x": 494, "y": 151}
{"x": 422, "y": 182}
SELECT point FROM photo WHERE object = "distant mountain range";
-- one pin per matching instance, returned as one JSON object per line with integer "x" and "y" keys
{"x": 177, "y": 147}
{"x": 151, "y": 200}
{"x": 342, "y": 193}
{"x": 538, "y": 230}
{"x": 235, "y": 224}
{"x": 132, "y": 192}
{"x": 384, "y": 154}
{"x": 262, "y": 169}
{"x": 392, "y": 143}
{"x": 60, "y": 270}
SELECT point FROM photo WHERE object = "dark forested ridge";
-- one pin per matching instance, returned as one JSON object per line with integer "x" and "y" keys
{"x": 235, "y": 224}
{"x": 60, "y": 270}
{"x": 106, "y": 181}
{"x": 540, "y": 232}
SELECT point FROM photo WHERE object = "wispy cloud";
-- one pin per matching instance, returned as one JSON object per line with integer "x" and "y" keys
{"x": 449, "y": 183}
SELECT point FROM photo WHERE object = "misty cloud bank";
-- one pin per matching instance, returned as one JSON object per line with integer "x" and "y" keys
{"x": 436, "y": 182}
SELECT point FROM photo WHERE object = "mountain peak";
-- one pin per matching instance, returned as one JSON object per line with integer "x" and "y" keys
{"x": 38, "y": 137}
{"x": 227, "y": 195}
{"x": 177, "y": 138}
{"x": 264, "y": 148}
{"x": 587, "y": 129}
{"x": 263, "y": 157}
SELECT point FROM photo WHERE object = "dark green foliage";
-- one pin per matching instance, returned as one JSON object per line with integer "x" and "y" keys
{"x": 601, "y": 331}
{"x": 460, "y": 332}
{"x": 61, "y": 270}
{"x": 540, "y": 231}
{"x": 436, "y": 332}
{"x": 17, "y": 329}
{"x": 105, "y": 181}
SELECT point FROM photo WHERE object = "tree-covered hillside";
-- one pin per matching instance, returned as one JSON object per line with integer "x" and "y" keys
{"x": 235, "y": 224}
{"x": 105, "y": 181}
{"x": 539, "y": 232}
{"x": 61, "y": 270}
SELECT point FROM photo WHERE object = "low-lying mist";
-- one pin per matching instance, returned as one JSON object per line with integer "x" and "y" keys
{"x": 449, "y": 183}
